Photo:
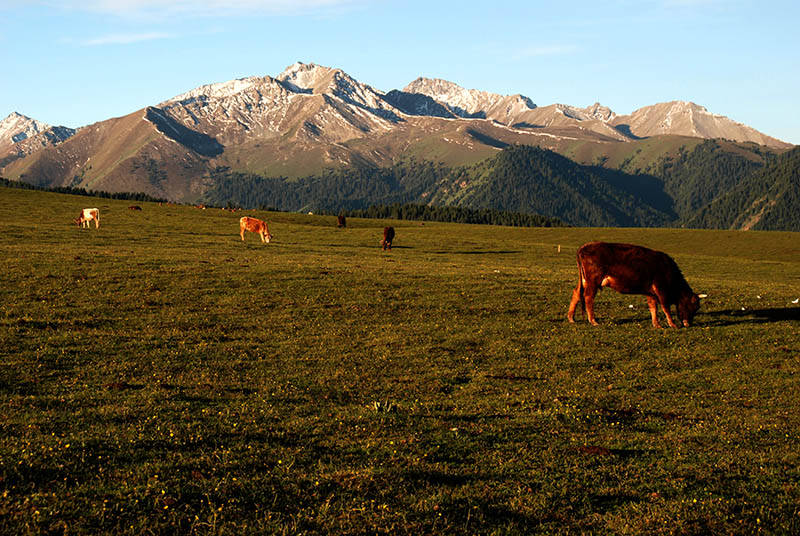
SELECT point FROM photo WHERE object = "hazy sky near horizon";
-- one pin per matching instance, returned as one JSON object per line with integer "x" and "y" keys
{"x": 76, "y": 62}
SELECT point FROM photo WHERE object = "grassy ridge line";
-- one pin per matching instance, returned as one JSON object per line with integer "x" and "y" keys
{"x": 158, "y": 375}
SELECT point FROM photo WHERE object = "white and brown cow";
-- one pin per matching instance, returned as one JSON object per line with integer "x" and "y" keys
{"x": 254, "y": 225}
{"x": 86, "y": 216}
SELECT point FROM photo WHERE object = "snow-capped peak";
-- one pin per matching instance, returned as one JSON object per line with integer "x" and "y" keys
{"x": 17, "y": 127}
{"x": 306, "y": 77}
{"x": 467, "y": 102}
{"x": 218, "y": 90}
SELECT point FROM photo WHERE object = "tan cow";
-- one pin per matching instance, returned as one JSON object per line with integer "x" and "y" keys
{"x": 87, "y": 215}
{"x": 254, "y": 225}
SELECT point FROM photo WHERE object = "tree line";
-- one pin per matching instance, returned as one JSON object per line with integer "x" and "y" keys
{"x": 128, "y": 196}
{"x": 451, "y": 214}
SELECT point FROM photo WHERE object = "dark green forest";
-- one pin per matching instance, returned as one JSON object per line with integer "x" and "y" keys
{"x": 131, "y": 196}
{"x": 452, "y": 214}
{"x": 695, "y": 178}
{"x": 766, "y": 200}
{"x": 530, "y": 179}
{"x": 356, "y": 187}
{"x": 717, "y": 185}
{"x": 680, "y": 190}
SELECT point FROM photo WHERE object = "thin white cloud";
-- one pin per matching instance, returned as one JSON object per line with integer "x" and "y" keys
{"x": 200, "y": 8}
{"x": 126, "y": 39}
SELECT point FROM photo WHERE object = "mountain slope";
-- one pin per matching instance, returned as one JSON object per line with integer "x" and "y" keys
{"x": 529, "y": 179}
{"x": 694, "y": 177}
{"x": 471, "y": 103}
{"x": 669, "y": 118}
{"x": 520, "y": 179}
{"x": 124, "y": 154}
{"x": 765, "y": 200}
{"x": 689, "y": 119}
{"x": 20, "y": 135}
{"x": 311, "y": 118}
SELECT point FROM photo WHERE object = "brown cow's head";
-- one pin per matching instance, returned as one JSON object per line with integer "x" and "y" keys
{"x": 267, "y": 237}
{"x": 687, "y": 308}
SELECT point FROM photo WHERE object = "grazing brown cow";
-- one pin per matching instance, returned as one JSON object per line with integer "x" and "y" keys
{"x": 630, "y": 269}
{"x": 388, "y": 236}
{"x": 134, "y": 207}
{"x": 254, "y": 225}
{"x": 86, "y": 216}
{"x": 341, "y": 221}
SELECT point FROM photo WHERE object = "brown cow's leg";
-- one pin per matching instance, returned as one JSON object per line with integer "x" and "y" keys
{"x": 589, "y": 292}
{"x": 669, "y": 316}
{"x": 573, "y": 304}
{"x": 664, "y": 307}
{"x": 653, "y": 305}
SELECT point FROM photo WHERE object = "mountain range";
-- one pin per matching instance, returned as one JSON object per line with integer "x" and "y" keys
{"x": 312, "y": 118}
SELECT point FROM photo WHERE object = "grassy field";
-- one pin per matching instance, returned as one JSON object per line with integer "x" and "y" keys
{"x": 157, "y": 375}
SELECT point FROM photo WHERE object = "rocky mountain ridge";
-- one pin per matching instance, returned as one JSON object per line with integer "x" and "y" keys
{"x": 310, "y": 117}
{"x": 21, "y": 135}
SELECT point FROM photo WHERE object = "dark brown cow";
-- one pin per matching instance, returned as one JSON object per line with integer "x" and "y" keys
{"x": 631, "y": 269}
{"x": 341, "y": 221}
{"x": 134, "y": 207}
{"x": 388, "y": 236}
{"x": 254, "y": 225}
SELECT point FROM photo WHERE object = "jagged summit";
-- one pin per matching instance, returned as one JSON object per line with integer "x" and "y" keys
{"x": 17, "y": 127}
{"x": 219, "y": 90}
{"x": 309, "y": 77}
{"x": 21, "y": 135}
{"x": 310, "y": 117}
{"x": 598, "y": 111}
{"x": 690, "y": 119}
{"x": 471, "y": 102}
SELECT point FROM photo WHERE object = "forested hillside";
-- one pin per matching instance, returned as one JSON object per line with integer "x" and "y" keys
{"x": 519, "y": 179}
{"x": 530, "y": 179}
{"x": 355, "y": 187}
{"x": 695, "y": 178}
{"x": 451, "y": 214}
{"x": 675, "y": 191}
{"x": 765, "y": 200}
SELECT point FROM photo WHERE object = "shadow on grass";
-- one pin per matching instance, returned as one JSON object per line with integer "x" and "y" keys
{"x": 726, "y": 317}
{"x": 730, "y": 317}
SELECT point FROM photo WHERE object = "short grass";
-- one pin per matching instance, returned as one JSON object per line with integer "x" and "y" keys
{"x": 159, "y": 376}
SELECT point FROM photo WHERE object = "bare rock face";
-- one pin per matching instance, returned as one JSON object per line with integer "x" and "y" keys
{"x": 690, "y": 119}
{"x": 471, "y": 103}
{"x": 20, "y": 135}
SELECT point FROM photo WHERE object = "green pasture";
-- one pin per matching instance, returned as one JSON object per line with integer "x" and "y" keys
{"x": 159, "y": 376}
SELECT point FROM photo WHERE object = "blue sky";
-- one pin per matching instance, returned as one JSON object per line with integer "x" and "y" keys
{"x": 75, "y": 62}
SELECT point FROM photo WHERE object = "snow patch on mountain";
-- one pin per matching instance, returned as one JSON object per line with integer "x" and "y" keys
{"x": 17, "y": 127}
{"x": 218, "y": 90}
{"x": 467, "y": 102}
